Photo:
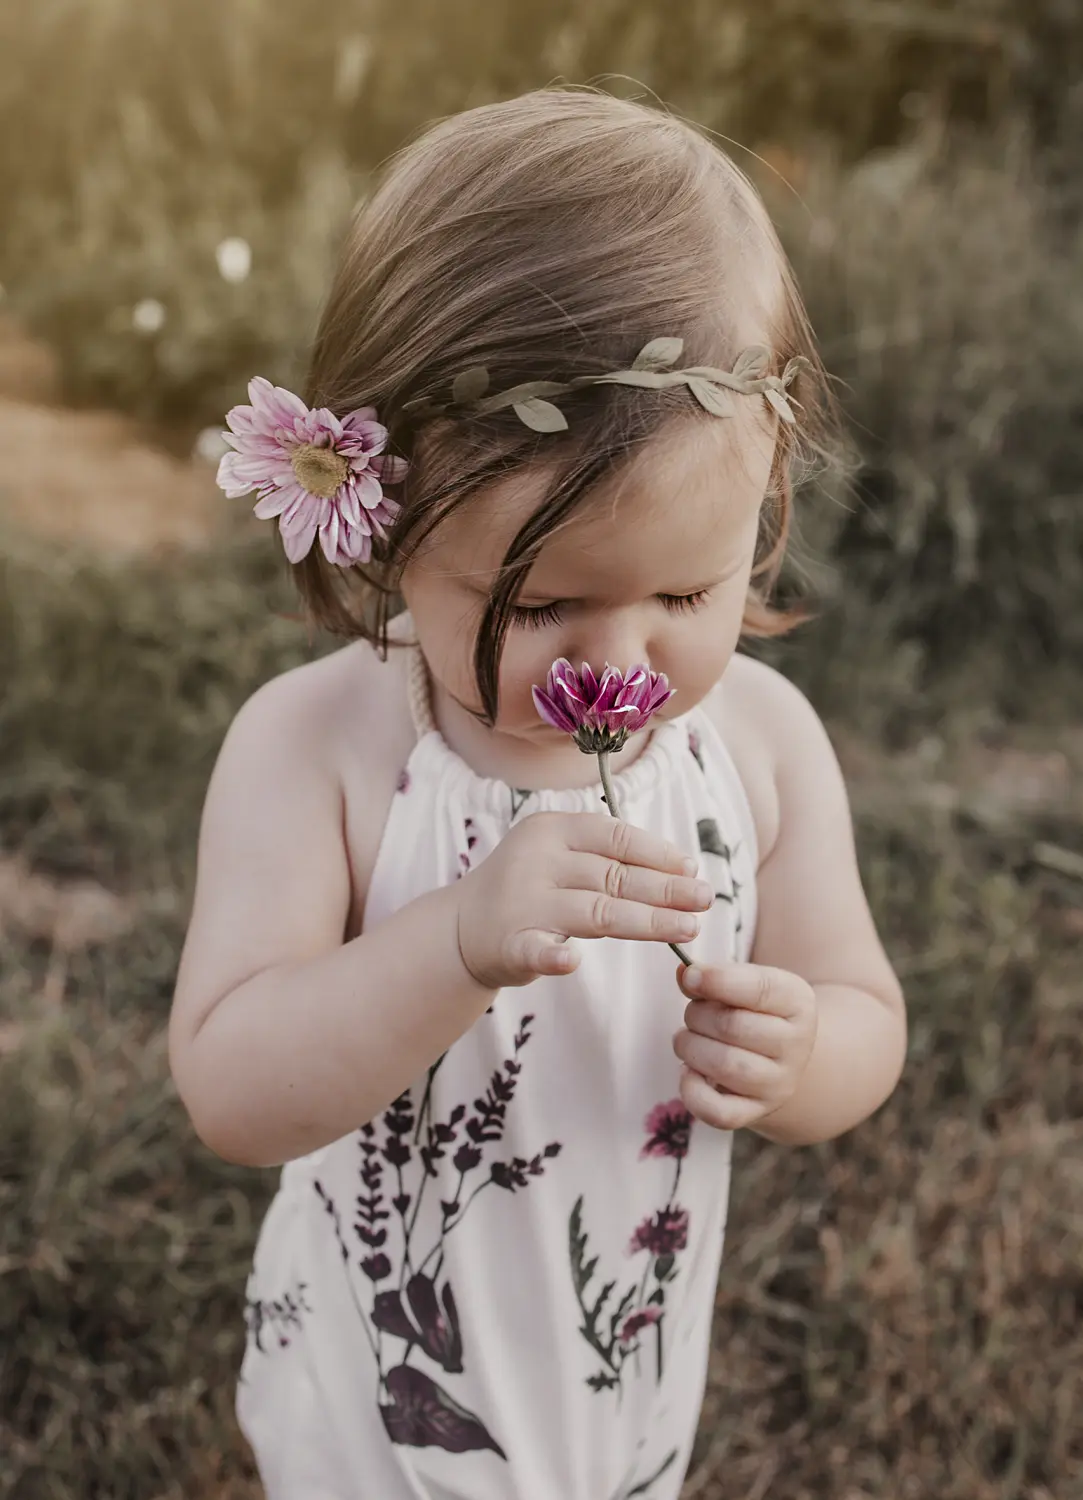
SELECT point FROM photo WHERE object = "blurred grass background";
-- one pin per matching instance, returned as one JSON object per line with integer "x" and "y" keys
{"x": 899, "y": 1312}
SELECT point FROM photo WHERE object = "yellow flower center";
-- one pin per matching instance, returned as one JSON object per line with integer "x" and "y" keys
{"x": 320, "y": 470}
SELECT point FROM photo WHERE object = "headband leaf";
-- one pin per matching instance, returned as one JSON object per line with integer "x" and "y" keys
{"x": 651, "y": 370}
{"x": 541, "y": 415}
{"x": 470, "y": 385}
{"x": 659, "y": 354}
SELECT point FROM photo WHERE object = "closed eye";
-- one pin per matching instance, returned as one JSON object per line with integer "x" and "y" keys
{"x": 541, "y": 615}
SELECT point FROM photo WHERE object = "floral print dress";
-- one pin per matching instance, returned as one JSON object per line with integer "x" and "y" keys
{"x": 503, "y": 1285}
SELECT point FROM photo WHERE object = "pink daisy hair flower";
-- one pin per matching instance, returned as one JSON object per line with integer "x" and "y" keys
{"x": 601, "y": 712}
{"x": 320, "y": 474}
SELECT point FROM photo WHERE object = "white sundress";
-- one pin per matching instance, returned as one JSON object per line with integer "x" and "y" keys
{"x": 502, "y": 1287}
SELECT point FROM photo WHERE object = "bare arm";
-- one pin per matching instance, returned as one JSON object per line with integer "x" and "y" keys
{"x": 282, "y": 1037}
{"x": 814, "y": 921}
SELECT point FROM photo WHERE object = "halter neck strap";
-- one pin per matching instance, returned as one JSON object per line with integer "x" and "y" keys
{"x": 419, "y": 692}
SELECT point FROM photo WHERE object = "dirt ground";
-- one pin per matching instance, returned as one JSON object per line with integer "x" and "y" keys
{"x": 91, "y": 475}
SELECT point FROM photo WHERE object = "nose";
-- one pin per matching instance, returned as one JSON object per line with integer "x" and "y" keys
{"x": 617, "y": 638}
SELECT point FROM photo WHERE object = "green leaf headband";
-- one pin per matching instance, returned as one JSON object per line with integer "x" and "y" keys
{"x": 650, "y": 368}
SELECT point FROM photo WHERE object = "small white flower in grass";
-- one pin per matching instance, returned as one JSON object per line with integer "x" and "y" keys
{"x": 210, "y": 445}
{"x": 148, "y": 316}
{"x": 234, "y": 257}
{"x": 352, "y": 64}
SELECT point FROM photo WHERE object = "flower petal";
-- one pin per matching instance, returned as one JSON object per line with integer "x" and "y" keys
{"x": 609, "y": 687}
{"x": 227, "y": 478}
{"x": 563, "y": 672}
{"x": 323, "y": 427}
{"x": 567, "y": 694}
{"x": 243, "y": 420}
{"x": 277, "y": 498}
{"x": 255, "y": 472}
{"x": 274, "y": 402}
{"x": 297, "y": 544}
{"x": 348, "y": 503}
{"x": 383, "y": 514}
{"x": 368, "y": 489}
{"x": 589, "y": 681}
{"x": 361, "y": 414}
{"x": 303, "y": 509}
{"x": 329, "y": 537}
{"x": 636, "y": 686}
{"x": 355, "y": 540}
{"x": 553, "y": 713}
{"x": 364, "y": 434}
{"x": 255, "y": 445}
{"x": 389, "y": 468}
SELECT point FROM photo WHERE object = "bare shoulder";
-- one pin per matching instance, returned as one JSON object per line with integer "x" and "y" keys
{"x": 351, "y": 716}
{"x": 291, "y": 820}
{"x": 320, "y": 721}
{"x": 766, "y": 722}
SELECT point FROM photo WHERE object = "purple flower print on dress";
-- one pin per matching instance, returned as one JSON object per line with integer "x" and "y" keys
{"x": 464, "y": 854}
{"x": 662, "y": 1235}
{"x": 276, "y": 1315}
{"x": 643, "y": 1319}
{"x": 669, "y": 1126}
{"x": 320, "y": 474}
{"x": 695, "y": 745}
{"x": 412, "y": 1295}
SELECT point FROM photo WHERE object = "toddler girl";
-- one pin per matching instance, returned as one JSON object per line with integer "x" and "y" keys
{"x": 556, "y": 398}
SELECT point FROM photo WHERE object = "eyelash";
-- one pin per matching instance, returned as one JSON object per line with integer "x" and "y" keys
{"x": 549, "y": 614}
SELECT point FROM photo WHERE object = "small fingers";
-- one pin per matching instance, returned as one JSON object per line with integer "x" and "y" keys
{"x": 590, "y": 872}
{"x": 750, "y": 986}
{"x": 598, "y": 833}
{"x": 723, "y": 1111}
{"x": 740, "y": 1028}
{"x": 581, "y": 914}
{"x": 545, "y": 953}
{"x": 732, "y": 1068}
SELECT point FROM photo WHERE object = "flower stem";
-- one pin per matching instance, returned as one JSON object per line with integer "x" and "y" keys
{"x": 614, "y": 810}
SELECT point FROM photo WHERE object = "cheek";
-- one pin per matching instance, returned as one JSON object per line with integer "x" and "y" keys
{"x": 447, "y": 624}
{"x": 698, "y": 647}
{"x": 445, "y": 627}
{"x": 526, "y": 659}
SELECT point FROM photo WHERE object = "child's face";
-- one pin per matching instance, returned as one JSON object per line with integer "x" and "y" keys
{"x": 655, "y": 569}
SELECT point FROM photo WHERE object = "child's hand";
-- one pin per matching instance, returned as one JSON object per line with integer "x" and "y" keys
{"x": 747, "y": 1036}
{"x": 572, "y": 875}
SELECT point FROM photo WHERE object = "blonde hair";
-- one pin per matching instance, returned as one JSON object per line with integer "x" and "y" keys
{"x": 545, "y": 237}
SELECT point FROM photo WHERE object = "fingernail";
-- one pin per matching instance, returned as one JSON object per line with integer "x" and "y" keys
{"x": 691, "y": 866}
{"x": 703, "y": 892}
{"x": 693, "y": 978}
{"x": 688, "y": 926}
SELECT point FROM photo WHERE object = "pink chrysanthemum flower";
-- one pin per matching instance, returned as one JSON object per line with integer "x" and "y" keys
{"x": 600, "y": 712}
{"x": 318, "y": 473}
